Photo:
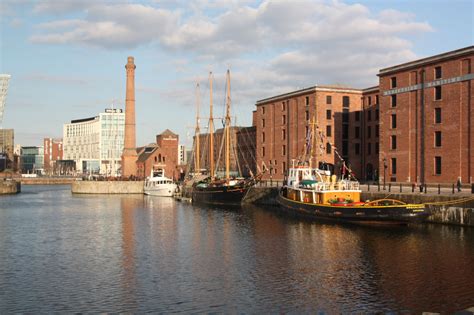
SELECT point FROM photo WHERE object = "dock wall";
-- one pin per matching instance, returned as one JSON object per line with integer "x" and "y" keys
{"x": 457, "y": 214}
{"x": 8, "y": 187}
{"x": 107, "y": 187}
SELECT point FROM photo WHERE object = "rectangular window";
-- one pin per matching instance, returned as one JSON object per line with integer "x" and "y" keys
{"x": 345, "y": 148}
{"x": 376, "y": 148}
{"x": 393, "y": 82}
{"x": 394, "y": 121}
{"x": 345, "y": 131}
{"x": 263, "y": 110}
{"x": 263, "y": 136}
{"x": 283, "y": 106}
{"x": 328, "y": 99}
{"x": 438, "y": 165}
{"x": 437, "y": 115}
{"x": 345, "y": 101}
{"x": 263, "y": 123}
{"x": 376, "y": 99}
{"x": 438, "y": 94}
{"x": 377, "y": 130}
{"x": 394, "y": 100}
{"x": 283, "y": 134}
{"x": 370, "y": 100}
{"x": 357, "y": 115}
{"x": 306, "y": 115}
{"x": 394, "y": 166}
{"x": 376, "y": 114}
{"x": 328, "y": 114}
{"x": 369, "y": 148}
{"x": 357, "y": 148}
{"x": 369, "y": 132}
{"x": 328, "y": 131}
{"x": 284, "y": 167}
{"x": 283, "y": 150}
{"x": 369, "y": 115}
{"x": 263, "y": 151}
{"x": 345, "y": 115}
{"x": 307, "y": 100}
{"x": 437, "y": 138}
{"x": 393, "y": 142}
{"x": 283, "y": 119}
{"x": 328, "y": 148}
{"x": 357, "y": 132}
{"x": 438, "y": 73}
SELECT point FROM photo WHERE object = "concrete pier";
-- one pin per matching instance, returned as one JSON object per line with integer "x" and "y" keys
{"x": 8, "y": 187}
{"x": 107, "y": 187}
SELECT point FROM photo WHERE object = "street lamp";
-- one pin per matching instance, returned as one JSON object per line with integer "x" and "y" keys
{"x": 384, "y": 171}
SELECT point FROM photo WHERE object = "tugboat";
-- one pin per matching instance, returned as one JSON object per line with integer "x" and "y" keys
{"x": 317, "y": 193}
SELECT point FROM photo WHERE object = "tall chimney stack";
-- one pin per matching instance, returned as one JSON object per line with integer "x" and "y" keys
{"x": 129, "y": 154}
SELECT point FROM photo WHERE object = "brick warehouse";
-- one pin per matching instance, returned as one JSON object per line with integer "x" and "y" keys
{"x": 426, "y": 119}
{"x": 282, "y": 123}
{"x": 416, "y": 126}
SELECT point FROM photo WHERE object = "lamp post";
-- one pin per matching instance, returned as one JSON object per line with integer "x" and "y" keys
{"x": 384, "y": 171}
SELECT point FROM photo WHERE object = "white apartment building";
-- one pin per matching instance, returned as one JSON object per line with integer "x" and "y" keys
{"x": 4, "y": 79}
{"x": 96, "y": 143}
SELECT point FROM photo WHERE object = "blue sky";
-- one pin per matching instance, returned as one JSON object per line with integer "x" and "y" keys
{"x": 67, "y": 58}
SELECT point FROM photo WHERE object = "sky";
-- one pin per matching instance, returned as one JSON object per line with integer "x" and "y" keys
{"x": 67, "y": 57}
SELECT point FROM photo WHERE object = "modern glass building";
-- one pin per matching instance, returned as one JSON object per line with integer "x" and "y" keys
{"x": 32, "y": 160}
{"x": 96, "y": 143}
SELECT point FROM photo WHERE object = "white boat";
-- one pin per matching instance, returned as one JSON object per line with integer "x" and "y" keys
{"x": 159, "y": 185}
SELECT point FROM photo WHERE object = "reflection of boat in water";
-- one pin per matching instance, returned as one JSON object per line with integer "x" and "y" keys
{"x": 315, "y": 193}
{"x": 159, "y": 185}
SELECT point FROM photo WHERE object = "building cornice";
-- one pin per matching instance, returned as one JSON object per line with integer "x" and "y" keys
{"x": 428, "y": 60}
{"x": 312, "y": 89}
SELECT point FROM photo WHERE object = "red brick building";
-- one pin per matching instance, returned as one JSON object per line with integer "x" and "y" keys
{"x": 242, "y": 157}
{"x": 370, "y": 134}
{"x": 160, "y": 155}
{"x": 427, "y": 120}
{"x": 283, "y": 122}
{"x": 53, "y": 152}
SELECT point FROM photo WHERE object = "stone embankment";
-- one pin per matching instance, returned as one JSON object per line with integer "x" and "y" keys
{"x": 9, "y": 186}
{"x": 443, "y": 207}
{"x": 107, "y": 187}
{"x": 46, "y": 180}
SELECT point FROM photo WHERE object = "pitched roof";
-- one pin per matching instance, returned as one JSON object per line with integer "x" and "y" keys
{"x": 146, "y": 151}
{"x": 167, "y": 132}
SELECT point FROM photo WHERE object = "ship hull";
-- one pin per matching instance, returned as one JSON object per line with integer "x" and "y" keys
{"x": 395, "y": 214}
{"x": 221, "y": 195}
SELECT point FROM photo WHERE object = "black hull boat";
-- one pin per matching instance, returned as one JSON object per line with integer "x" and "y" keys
{"x": 219, "y": 195}
{"x": 384, "y": 211}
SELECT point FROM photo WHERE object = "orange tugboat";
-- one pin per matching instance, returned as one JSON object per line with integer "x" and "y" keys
{"x": 319, "y": 194}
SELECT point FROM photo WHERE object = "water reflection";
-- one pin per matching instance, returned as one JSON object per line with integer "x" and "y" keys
{"x": 130, "y": 253}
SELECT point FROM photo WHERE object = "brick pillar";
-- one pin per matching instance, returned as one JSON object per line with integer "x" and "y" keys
{"x": 129, "y": 154}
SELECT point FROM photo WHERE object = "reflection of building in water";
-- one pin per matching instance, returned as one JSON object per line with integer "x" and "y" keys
{"x": 129, "y": 205}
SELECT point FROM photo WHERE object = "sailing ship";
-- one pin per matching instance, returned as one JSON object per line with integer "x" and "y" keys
{"x": 209, "y": 188}
{"x": 316, "y": 192}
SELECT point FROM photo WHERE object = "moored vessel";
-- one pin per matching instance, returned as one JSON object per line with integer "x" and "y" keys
{"x": 318, "y": 194}
{"x": 159, "y": 185}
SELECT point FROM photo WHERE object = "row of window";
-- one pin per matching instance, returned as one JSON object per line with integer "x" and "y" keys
{"x": 438, "y": 95}
{"x": 437, "y": 140}
{"x": 438, "y": 74}
{"x": 345, "y": 102}
{"x": 437, "y": 165}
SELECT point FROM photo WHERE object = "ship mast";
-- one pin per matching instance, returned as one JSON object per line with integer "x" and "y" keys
{"x": 227, "y": 130}
{"x": 211, "y": 130}
{"x": 197, "y": 166}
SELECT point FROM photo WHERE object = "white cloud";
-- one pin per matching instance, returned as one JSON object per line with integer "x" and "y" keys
{"x": 273, "y": 46}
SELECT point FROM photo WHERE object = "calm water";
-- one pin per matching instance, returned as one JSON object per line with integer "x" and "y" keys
{"x": 67, "y": 253}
